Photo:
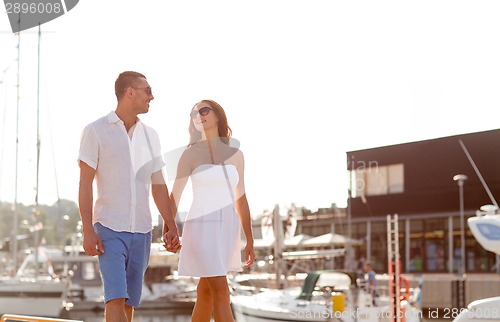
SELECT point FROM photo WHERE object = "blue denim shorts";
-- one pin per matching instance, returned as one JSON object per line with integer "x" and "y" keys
{"x": 123, "y": 263}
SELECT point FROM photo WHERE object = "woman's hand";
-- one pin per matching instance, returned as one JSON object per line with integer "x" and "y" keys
{"x": 172, "y": 241}
{"x": 249, "y": 255}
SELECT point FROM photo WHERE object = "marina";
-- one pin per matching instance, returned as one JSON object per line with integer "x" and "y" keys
{"x": 258, "y": 295}
{"x": 443, "y": 296}
{"x": 436, "y": 256}
{"x": 179, "y": 316}
{"x": 449, "y": 275}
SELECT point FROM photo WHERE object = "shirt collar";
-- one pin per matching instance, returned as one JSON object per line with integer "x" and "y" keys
{"x": 113, "y": 118}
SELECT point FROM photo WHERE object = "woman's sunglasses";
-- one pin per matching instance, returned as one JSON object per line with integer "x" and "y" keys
{"x": 202, "y": 111}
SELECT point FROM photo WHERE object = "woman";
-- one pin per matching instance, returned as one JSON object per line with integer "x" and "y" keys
{"x": 211, "y": 233}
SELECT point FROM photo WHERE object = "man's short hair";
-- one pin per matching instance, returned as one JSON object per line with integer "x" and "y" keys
{"x": 126, "y": 80}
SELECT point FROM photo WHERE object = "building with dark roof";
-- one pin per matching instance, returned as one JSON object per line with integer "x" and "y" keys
{"x": 416, "y": 181}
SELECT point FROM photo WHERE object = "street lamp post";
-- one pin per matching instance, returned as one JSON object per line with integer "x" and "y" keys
{"x": 460, "y": 178}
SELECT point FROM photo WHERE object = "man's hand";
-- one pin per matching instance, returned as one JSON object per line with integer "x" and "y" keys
{"x": 92, "y": 244}
{"x": 171, "y": 240}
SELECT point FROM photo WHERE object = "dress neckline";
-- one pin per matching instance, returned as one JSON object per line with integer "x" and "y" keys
{"x": 214, "y": 165}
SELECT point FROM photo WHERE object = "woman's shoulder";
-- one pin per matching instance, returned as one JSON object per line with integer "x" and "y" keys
{"x": 235, "y": 151}
{"x": 236, "y": 157}
{"x": 238, "y": 153}
{"x": 188, "y": 154}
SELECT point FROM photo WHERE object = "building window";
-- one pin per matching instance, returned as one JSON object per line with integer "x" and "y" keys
{"x": 416, "y": 246}
{"x": 396, "y": 178}
{"x": 435, "y": 245}
{"x": 378, "y": 180}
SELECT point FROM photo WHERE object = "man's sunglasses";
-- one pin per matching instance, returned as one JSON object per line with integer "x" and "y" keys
{"x": 202, "y": 111}
{"x": 148, "y": 90}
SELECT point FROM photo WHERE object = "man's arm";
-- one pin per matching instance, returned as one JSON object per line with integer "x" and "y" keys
{"x": 160, "y": 195}
{"x": 91, "y": 242}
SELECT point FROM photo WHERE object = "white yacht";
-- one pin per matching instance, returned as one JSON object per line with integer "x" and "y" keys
{"x": 31, "y": 292}
{"x": 324, "y": 296}
{"x": 486, "y": 229}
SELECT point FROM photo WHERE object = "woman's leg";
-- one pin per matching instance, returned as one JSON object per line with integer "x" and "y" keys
{"x": 221, "y": 300}
{"x": 202, "y": 311}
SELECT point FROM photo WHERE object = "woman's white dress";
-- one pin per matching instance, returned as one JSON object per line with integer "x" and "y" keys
{"x": 211, "y": 232}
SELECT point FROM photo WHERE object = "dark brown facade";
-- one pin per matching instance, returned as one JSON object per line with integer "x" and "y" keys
{"x": 429, "y": 167}
{"x": 416, "y": 182}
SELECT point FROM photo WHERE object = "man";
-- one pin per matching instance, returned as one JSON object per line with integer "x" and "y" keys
{"x": 372, "y": 281}
{"x": 124, "y": 157}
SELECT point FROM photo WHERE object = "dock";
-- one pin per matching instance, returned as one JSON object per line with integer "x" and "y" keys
{"x": 448, "y": 291}
{"x": 181, "y": 304}
{"x": 440, "y": 292}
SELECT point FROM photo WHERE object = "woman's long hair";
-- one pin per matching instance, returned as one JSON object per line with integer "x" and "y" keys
{"x": 222, "y": 126}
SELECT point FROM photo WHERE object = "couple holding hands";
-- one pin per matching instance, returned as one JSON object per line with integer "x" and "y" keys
{"x": 123, "y": 156}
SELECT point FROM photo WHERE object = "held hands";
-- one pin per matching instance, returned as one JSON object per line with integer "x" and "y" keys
{"x": 171, "y": 240}
{"x": 249, "y": 255}
{"x": 92, "y": 244}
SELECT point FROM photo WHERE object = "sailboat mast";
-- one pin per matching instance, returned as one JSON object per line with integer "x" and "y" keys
{"x": 349, "y": 258}
{"x": 37, "y": 210}
{"x": 15, "y": 227}
{"x": 38, "y": 122}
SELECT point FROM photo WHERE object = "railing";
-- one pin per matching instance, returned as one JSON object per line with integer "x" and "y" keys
{"x": 25, "y": 318}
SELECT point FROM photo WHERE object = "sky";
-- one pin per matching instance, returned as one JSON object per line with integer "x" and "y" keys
{"x": 302, "y": 83}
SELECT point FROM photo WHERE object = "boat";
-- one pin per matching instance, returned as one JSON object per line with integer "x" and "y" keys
{"x": 306, "y": 303}
{"x": 161, "y": 289}
{"x": 83, "y": 290}
{"x": 486, "y": 230}
{"x": 326, "y": 295}
{"x": 34, "y": 290}
{"x": 333, "y": 295}
{"x": 83, "y": 273}
{"x": 32, "y": 296}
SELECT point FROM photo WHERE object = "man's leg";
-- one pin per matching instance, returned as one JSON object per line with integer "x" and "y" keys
{"x": 136, "y": 265}
{"x": 115, "y": 311}
{"x": 112, "y": 267}
{"x": 129, "y": 311}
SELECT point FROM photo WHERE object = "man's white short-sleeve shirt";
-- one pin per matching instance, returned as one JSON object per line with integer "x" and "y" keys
{"x": 124, "y": 163}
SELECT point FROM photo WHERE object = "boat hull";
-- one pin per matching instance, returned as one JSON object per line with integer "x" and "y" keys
{"x": 278, "y": 306}
{"x": 481, "y": 311}
{"x": 32, "y": 297}
{"x": 486, "y": 230}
